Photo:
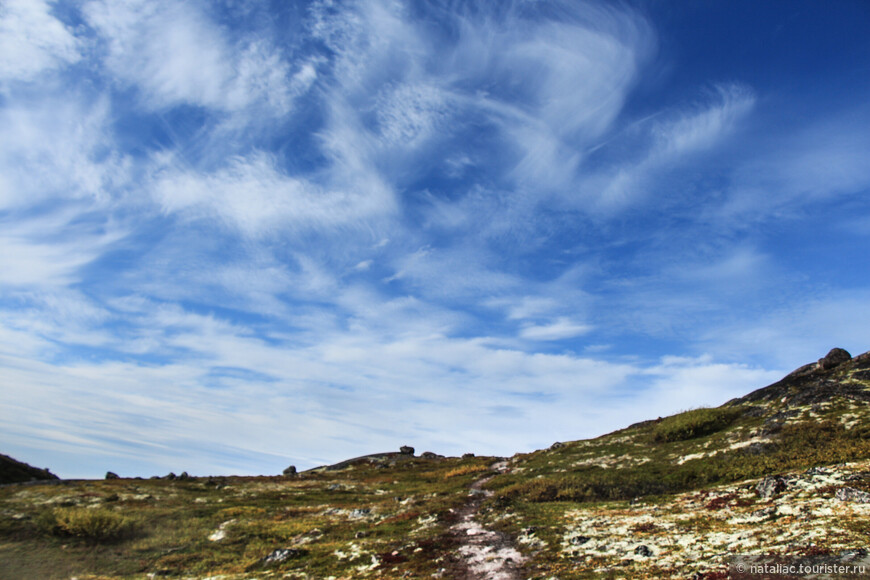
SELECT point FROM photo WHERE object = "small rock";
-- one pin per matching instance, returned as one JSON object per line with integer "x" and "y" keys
{"x": 764, "y": 512}
{"x": 221, "y": 532}
{"x": 184, "y": 476}
{"x": 643, "y": 551}
{"x": 290, "y": 471}
{"x": 579, "y": 540}
{"x": 853, "y": 495}
{"x": 817, "y": 471}
{"x": 406, "y": 450}
{"x": 360, "y": 513}
{"x": 834, "y": 358}
{"x": 360, "y": 534}
{"x": 171, "y": 476}
{"x": 771, "y": 486}
{"x": 467, "y": 455}
{"x": 429, "y": 455}
{"x": 283, "y": 554}
{"x": 556, "y": 445}
{"x": 112, "y": 475}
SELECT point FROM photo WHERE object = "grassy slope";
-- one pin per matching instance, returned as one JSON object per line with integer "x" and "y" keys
{"x": 391, "y": 520}
{"x": 362, "y": 520}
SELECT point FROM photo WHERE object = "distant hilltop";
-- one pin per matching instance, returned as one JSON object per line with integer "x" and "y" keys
{"x": 14, "y": 471}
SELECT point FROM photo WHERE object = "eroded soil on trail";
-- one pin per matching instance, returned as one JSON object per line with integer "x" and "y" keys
{"x": 483, "y": 554}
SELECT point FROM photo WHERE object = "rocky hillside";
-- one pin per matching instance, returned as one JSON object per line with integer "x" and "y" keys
{"x": 13, "y": 471}
{"x": 782, "y": 473}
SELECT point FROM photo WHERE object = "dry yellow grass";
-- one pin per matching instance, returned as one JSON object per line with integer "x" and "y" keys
{"x": 465, "y": 470}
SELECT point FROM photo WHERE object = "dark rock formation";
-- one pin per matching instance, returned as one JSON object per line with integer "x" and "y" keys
{"x": 834, "y": 358}
{"x": 112, "y": 475}
{"x": 290, "y": 471}
{"x": 13, "y": 471}
{"x": 467, "y": 455}
{"x": 643, "y": 551}
{"x": 818, "y": 382}
{"x": 406, "y": 450}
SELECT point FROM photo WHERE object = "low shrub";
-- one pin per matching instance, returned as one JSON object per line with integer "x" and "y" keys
{"x": 694, "y": 423}
{"x": 91, "y": 525}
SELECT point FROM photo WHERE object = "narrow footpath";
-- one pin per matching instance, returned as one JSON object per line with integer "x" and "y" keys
{"x": 483, "y": 554}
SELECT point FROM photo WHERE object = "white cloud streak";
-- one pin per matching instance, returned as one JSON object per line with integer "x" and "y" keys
{"x": 255, "y": 197}
{"x": 675, "y": 141}
{"x": 58, "y": 147}
{"x": 176, "y": 54}
{"x": 33, "y": 41}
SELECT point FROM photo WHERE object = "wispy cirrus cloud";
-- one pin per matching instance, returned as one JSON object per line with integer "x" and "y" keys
{"x": 177, "y": 54}
{"x": 256, "y": 197}
{"x": 58, "y": 146}
{"x": 537, "y": 88}
{"x": 674, "y": 142}
{"x": 33, "y": 41}
{"x": 264, "y": 235}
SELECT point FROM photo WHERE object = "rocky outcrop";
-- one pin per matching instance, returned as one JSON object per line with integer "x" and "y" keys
{"x": 834, "y": 358}
{"x": 290, "y": 471}
{"x": 818, "y": 382}
{"x": 14, "y": 471}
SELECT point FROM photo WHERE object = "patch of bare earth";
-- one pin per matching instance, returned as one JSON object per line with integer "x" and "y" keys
{"x": 483, "y": 554}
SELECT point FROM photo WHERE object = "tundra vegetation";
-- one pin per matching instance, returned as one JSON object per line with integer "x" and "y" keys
{"x": 784, "y": 470}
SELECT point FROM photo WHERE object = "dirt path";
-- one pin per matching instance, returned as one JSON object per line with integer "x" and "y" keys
{"x": 484, "y": 554}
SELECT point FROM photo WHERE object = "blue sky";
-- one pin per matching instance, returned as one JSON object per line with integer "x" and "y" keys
{"x": 237, "y": 235}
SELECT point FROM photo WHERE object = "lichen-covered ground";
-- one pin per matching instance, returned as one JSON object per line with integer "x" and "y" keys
{"x": 819, "y": 511}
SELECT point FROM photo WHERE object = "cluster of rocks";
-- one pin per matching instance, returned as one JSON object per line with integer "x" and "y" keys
{"x": 381, "y": 460}
{"x": 184, "y": 476}
{"x": 405, "y": 451}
